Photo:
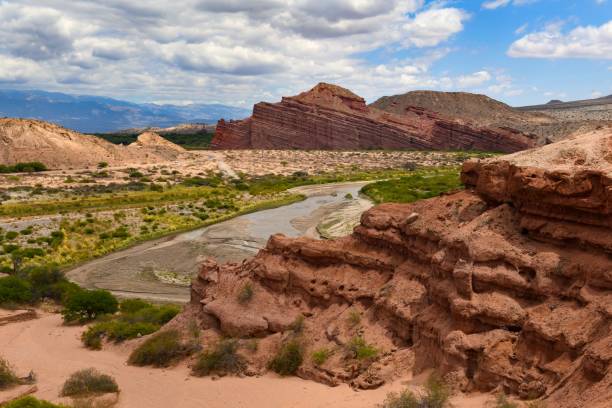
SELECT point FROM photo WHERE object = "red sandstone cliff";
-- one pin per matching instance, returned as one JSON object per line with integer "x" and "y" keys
{"x": 506, "y": 286}
{"x": 331, "y": 117}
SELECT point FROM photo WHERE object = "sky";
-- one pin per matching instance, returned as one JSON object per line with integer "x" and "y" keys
{"x": 239, "y": 52}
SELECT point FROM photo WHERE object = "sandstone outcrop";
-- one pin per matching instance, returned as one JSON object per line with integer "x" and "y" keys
{"x": 331, "y": 117}
{"x": 25, "y": 140}
{"x": 506, "y": 286}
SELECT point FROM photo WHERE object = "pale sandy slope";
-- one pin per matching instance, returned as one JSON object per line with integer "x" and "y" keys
{"x": 54, "y": 352}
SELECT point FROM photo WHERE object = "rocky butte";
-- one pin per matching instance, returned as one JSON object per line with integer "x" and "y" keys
{"x": 504, "y": 286}
{"x": 331, "y": 117}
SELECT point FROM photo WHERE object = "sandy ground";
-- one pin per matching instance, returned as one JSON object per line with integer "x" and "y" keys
{"x": 54, "y": 352}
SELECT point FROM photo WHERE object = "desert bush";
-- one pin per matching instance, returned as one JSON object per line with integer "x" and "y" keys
{"x": 85, "y": 305}
{"x": 354, "y": 318}
{"x": 7, "y": 375}
{"x": 137, "y": 318}
{"x": 133, "y": 305}
{"x": 503, "y": 402}
{"x": 288, "y": 358}
{"x": 436, "y": 395}
{"x": 246, "y": 293}
{"x": 15, "y": 290}
{"x": 88, "y": 382}
{"x": 222, "y": 359}
{"x": 161, "y": 350}
{"x": 359, "y": 349}
{"x": 319, "y": 357}
{"x": 31, "y": 402}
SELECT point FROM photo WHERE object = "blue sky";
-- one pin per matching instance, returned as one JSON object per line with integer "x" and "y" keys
{"x": 239, "y": 52}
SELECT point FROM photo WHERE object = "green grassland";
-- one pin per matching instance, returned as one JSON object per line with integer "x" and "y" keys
{"x": 418, "y": 185}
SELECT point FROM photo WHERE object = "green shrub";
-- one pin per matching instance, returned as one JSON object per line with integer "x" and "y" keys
{"x": 15, "y": 290}
{"x": 86, "y": 305}
{"x": 222, "y": 359}
{"x": 246, "y": 293}
{"x": 137, "y": 318}
{"x": 31, "y": 402}
{"x": 133, "y": 305}
{"x": 359, "y": 349}
{"x": 435, "y": 395}
{"x": 7, "y": 375}
{"x": 288, "y": 359}
{"x": 503, "y": 402}
{"x": 88, "y": 382}
{"x": 320, "y": 356}
{"x": 354, "y": 318}
{"x": 11, "y": 235}
{"x": 161, "y": 350}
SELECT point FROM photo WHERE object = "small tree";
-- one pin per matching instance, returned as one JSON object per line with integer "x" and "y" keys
{"x": 86, "y": 305}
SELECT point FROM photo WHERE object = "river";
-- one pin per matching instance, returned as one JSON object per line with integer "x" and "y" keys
{"x": 160, "y": 270}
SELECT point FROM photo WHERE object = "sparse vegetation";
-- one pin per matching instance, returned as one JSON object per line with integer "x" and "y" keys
{"x": 161, "y": 350}
{"x": 222, "y": 359}
{"x": 136, "y": 318}
{"x": 354, "y": 318}
{"x": 435, "y": 395}
{"x": 246, "y": 293}
{"x": 288, "y": 358}
{"x": 358, "y": 348}
{"x": 418, "y": 185}
{"x": 7, "y": 375}
{"x": 319, "y": 357}
{"x": 31, "y": 402}
{"x": 502, "y": 401}
{"x": 29, "y": 167}
{"x": 89, "y": 382}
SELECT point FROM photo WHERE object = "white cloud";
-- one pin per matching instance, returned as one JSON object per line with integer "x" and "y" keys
{"x": 473, "y": 80}
{"x": 224, "y": 50}
{"x": 581, "y": 42}
{"x": 521, "y": 29}
{"x": 493, "y": 4}
{"x": 433, "y": 26}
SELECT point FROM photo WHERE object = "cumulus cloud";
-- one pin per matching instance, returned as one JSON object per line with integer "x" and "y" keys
{"x": 581, "y": 42}
{"x": 473, "y": 80}
{"x": 434, "y": 26}
{"x": 494, "y": 4}
{"x": 222, "y": 50}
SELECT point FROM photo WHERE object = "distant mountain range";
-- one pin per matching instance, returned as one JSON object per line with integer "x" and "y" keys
{"x": 96, "y": 114}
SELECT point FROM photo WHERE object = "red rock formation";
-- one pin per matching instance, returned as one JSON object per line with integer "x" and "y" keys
{"x": 330, "y": 117}
{"x": 507, "y": 285}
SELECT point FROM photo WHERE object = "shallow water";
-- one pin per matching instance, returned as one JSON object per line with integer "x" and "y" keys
{"x": 161, "y": 269}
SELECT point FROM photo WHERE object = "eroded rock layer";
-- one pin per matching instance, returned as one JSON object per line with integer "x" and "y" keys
{"x": 330, "y": 117}
{"x": 504, "y": 286}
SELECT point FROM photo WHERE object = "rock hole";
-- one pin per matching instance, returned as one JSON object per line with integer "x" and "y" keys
{"x": 528, "y": 273}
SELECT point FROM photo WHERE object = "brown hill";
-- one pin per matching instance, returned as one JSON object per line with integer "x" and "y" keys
{"x": 504, "y": 287}
{"x": 551, "y": 122}
{"x": 24, "y": 140}
{"x": 153, "y": 142}
{"x": 331, "y": 117}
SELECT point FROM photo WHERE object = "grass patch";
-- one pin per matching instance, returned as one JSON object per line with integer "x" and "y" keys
{"x": 436, "y": 395}
{"x": 31, "y": 402}
{"x": 359, "y": 349}
{"x": 288, "y": 358}
{"x": 222, "y": 359}
{"x": 161, "y": 350}
{"x": 136, "y": 318}
{"x": 88, "y": 382}
{"x": 7, "y": 375}
{"x": 420, "y": 185}
{"x": 319, "y": 357}
{"x": 246, "y": 293}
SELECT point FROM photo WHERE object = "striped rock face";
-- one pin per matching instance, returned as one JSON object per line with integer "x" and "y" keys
{"x": 330, "y": 117}
{"x": 507, "y": 284}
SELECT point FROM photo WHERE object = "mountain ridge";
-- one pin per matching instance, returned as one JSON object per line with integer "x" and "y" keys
{"x": 98, "y": 114}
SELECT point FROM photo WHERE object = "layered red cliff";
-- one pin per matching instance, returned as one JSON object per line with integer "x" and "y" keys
{"x": 506, "y": 286}
{"x": 331, "y": 117}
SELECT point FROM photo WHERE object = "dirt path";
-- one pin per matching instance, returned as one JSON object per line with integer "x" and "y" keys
{"x": 54, "y": 352}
